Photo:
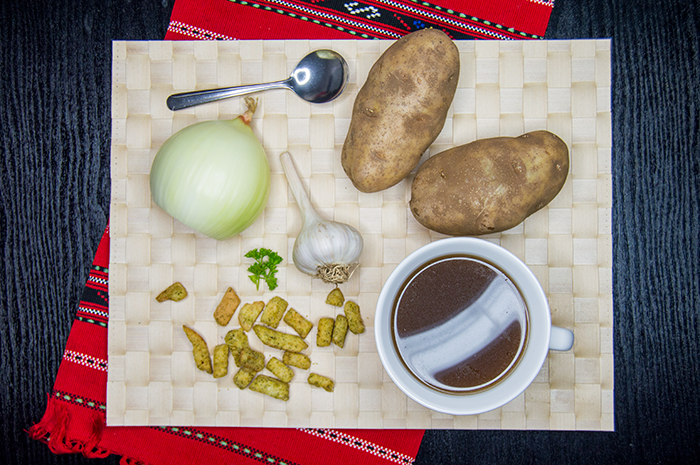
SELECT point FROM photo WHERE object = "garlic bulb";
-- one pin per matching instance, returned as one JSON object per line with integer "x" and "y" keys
{"x": 324, "y": 249}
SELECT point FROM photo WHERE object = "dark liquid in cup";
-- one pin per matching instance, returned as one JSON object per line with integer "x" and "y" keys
{"x": 459, "y": 324}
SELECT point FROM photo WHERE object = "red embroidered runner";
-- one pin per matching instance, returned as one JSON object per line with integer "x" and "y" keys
{"x": 369, "y": 19}
{"x": 74, "y": 417}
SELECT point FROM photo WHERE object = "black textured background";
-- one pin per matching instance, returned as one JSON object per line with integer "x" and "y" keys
{"x": 54, "y": 202}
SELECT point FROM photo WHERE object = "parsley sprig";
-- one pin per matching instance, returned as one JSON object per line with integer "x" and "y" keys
{"x": 264, "y": 268}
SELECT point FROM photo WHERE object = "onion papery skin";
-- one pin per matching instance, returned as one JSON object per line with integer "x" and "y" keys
{"x": 212, "y": 176}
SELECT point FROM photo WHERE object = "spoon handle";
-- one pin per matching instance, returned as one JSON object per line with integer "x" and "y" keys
{"x": 198, "y": 97}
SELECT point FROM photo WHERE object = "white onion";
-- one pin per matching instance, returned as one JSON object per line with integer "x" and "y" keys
{"x": 213, "y": 176}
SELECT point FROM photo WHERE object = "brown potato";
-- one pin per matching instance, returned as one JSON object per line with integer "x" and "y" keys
{"x": 400, "y": 109}
{"x": 489, "y": 185}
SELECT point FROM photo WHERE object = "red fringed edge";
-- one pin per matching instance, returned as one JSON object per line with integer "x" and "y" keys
{"x": 53, "y": 431}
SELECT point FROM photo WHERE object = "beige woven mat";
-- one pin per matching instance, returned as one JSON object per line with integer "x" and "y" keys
{"x": 505, "y": 88}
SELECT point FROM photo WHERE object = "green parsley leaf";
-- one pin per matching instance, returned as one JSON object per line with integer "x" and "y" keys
{"x": 264, "y": 268}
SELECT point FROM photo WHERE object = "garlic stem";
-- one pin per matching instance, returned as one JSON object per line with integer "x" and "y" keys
{"x": 308, "y": 212}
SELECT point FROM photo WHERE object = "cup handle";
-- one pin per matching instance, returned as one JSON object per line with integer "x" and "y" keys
{"x": 561, "y": 339}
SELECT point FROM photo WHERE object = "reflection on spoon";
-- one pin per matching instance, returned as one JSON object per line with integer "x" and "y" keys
{"x": 301, "y": 75}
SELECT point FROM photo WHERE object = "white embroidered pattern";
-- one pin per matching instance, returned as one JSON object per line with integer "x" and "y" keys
{"x": 93, "y": 311}
{"x": 196, "y": 32}
{"x": 361, "y": 444}
{"x": 353, "y": 10}
{"x": 85, "y": 360}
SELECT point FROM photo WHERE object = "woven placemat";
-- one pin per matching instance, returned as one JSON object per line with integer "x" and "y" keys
{"x": 505, "y": 88}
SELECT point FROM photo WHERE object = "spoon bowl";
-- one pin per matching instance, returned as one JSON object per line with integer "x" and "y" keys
{"x": 320, "y": 77}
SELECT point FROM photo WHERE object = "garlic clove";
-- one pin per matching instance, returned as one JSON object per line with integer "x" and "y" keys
{"x": 324, "y": 249}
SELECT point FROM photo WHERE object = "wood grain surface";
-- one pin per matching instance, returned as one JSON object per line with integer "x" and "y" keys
{"x": 54, "y": 204}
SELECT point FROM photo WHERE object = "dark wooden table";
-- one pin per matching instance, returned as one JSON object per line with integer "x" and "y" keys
{"x": 54, "y": 204}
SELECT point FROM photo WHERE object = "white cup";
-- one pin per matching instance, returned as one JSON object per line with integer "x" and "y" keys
{"x": 541, "y": 336}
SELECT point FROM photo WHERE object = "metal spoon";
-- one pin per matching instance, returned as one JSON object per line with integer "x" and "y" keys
{"x": 319, "y": 77}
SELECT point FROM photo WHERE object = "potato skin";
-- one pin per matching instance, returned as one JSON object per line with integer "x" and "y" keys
{"x": 400, "y": 109}
{"x": 489, "y": 185}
